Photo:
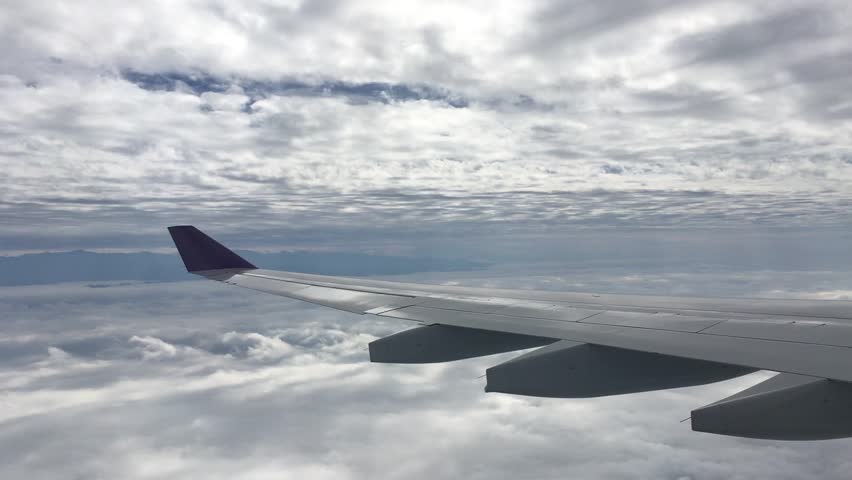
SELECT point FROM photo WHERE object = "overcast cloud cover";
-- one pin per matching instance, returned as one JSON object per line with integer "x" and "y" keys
{"x": 649, "y": 146}
{"x": 350, "y": 116}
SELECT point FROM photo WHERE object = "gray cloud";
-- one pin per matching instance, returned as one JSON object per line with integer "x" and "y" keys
{"x": 777, "y": 34}
{"x": 557, "y": 24}
{"x": 356, "y": 93}
{"x": 373, "y": 221}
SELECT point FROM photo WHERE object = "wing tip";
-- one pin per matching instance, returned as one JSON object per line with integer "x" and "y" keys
{"x": 201, "y": 252}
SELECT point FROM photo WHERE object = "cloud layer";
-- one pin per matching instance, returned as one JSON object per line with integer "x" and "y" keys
{"x": 320, "y": 114}
{"x": 198, "y": 379}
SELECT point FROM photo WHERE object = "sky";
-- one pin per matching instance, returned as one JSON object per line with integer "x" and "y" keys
{"x": 653, "y": 146}
{"x": 321, "y": 119}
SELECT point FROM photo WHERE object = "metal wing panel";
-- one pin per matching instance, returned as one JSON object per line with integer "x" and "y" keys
{"x": 548, "y": 312}
{"x": 355, "y": 301}
{"x": 514, "y": 308}
{"x": 479, "y": 305}
{"x": 658, "y": 321}
{"x": 698, "y": 306}
{"x": 781, "y": 356}
{"x": 808, "y": 331}
{"x": 772, "y": 345}
{"x": 763, "y": 344}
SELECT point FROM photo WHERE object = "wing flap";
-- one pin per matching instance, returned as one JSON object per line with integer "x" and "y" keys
{"x": 784, "y": 407}
{"x": 567, "y": 369}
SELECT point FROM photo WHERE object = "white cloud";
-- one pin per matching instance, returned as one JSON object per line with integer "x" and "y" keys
{"x": 298, "y": 398}
{"x": 153, "y": 348}
{"x": 257, "y": 346}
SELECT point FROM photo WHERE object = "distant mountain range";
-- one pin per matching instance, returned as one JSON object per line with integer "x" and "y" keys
{"x": 81, "y": 265}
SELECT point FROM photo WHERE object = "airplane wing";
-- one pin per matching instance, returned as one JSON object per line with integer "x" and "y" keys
{"x": 590, "y": 345}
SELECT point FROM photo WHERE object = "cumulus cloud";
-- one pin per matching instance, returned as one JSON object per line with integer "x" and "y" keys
{"x": 153, "y": 348}
{"x": 256, "y": 346}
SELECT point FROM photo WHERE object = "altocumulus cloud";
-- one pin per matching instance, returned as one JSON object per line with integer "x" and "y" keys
{"x": 295, "y": 116}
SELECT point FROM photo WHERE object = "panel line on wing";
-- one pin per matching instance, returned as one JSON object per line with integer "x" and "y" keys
{"x": 411, "y": 314}
{"x": 326, "y": 285}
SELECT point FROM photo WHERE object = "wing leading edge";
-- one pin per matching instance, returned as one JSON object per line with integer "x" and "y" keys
{"x": 595, "y": 345}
